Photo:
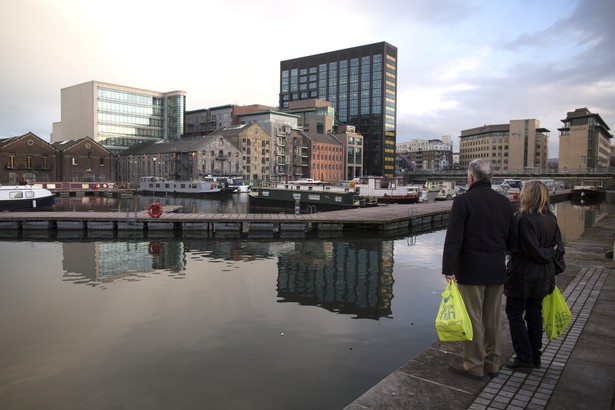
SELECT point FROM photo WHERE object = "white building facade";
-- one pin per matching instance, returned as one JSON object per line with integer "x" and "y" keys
{"x": 117, "y": 116}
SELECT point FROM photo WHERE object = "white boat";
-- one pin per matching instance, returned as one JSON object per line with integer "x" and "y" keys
{"x": 25, "y": 198}
{"x": 178, "y": 188}
{"x": 230, "y": 184}
{"x": 387, "y": 190}
{"x": 305, "y": 181}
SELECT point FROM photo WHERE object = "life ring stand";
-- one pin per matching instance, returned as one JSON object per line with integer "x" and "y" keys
{"x": 154, "y": 209}
{"x": 154, "y": 248}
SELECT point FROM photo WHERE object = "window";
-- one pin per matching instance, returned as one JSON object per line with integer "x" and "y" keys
{"x": 11, "y": 163}
{"x": 29, "y": 161}
{"x": 101, "y": 162}
{"x": 74, "y": 160}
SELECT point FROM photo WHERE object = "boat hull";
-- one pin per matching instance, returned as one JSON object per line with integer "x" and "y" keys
{"x": 28, "y": 199}
{"x": 398, "y": 199}
{"x": 587, "y": 193}
{"x": 302, "y": 201}
{"x": 180, "y": 188}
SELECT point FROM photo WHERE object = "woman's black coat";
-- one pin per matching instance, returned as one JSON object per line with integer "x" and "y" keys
{"x": 532, "y": 267}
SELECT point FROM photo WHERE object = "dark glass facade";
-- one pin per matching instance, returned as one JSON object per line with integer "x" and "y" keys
{"x": 361, "y": 83}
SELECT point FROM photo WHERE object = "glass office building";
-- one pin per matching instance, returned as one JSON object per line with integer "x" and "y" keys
{"x": 117, "y": 116}
{"x": 361, "y": 83}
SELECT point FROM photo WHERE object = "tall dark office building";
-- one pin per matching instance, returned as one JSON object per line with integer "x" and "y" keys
{"x": 361, "y": 83}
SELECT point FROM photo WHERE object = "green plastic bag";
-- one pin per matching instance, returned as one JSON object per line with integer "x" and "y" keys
{"x": 453, "y": 323}
{"x": 555, "y": 314}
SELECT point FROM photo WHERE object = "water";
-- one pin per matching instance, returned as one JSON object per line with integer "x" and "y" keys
{"x": 236, "y": 203}
{"x": 217, "y": 324}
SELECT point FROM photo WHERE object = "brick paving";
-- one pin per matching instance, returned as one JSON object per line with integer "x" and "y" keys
{"x": 517, "y": 390}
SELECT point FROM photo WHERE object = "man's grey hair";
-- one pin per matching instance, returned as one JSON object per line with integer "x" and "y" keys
{"x": 481, "y": 169}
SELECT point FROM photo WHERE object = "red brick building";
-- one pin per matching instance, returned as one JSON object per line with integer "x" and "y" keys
{"x": 85, "y": 160}
{"x": 27, "y": 158}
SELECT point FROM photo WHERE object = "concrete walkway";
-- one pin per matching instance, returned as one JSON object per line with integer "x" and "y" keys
{"x": 578, "y": 368}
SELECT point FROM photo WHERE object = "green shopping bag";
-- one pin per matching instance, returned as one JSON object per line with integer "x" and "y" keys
{"x": 453, "y": 323}
{"x": 555, "y": 314}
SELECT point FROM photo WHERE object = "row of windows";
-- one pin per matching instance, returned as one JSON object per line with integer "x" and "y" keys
{"x": 28, "y": 163}
{"x": 130, "y": 120}
{"x": 129, "y": 131}
{"x": 329, "y": 167}
{"x": 129, "y": 109}
{"x": 327, "y": 148}
{"x": 116, "y": 95}
{"x": 119, "y": 142}
{"x": 366, "y": 84}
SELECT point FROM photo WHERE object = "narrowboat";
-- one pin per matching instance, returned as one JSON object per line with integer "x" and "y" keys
{"x": 587, "y": 194}
{"x": 154, "y": 185}
{"x": 302, "y": 198}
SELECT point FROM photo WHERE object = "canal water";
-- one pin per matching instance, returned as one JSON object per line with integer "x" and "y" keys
{"x": 198, "y": 323}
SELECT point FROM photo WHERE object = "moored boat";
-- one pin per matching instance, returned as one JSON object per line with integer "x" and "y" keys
{"x": 300, "y": 198}
{"x": 25, "y": 198}
{"x": 587, "y": 193}
{"x": 305, "y": 181}
{"x": 155, "y": 185}
{"x": 386, "y": 190}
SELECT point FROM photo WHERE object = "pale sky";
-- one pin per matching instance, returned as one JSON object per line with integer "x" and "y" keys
{"x": 461, "y": 63}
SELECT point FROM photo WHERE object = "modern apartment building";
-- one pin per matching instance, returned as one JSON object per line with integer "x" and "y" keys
{"x": 117, "y": 116}
{"x": 584, "y": 141}
{"x": 516, "y": 146}
{"x": 307, "y": 111}
{"x": 207, "y": 120}
{"x": 361, "y": 85}
{"x": 353, "y": 146}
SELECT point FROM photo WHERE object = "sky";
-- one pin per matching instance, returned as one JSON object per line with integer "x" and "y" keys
{"x": 461, "y": 63}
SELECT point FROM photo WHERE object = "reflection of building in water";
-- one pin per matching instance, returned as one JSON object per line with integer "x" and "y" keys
{"x": 573, "y": 220}
{"x": 346, "y": 277}
{"x": 109, "y": 260}
{"x": 232, "y": 249}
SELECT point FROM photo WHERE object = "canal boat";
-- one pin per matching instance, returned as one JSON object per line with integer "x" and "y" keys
{"x": 387, "y": 190}
{"x": 306, "y": 181}
{"x": 25, "y": 198}
{"x": 154, "y": 185}
{"x": 301, "y": 198}
{"x": 587, "y": 193}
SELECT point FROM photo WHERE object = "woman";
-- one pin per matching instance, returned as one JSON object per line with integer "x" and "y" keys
{"x": 531, "y": 273}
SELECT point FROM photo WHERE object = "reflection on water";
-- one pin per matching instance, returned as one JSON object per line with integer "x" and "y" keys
{"x": 348, "y": 277}
{"x": 573, "y": 219}
{"x": 235, "y": 203}
{"x": 345, "y": 277}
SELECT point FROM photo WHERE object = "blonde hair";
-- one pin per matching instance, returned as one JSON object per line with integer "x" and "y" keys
{"x": 535, "y": 198}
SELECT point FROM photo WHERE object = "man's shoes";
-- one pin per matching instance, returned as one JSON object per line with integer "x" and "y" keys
{"x": 463, "y": 372}
{"x": 493, "y": 374}
{"x": 517, "y": 365}
{"x": 537, "y": 363}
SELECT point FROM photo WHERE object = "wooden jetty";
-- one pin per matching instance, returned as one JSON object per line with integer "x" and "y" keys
{"x": 394, "y": 218}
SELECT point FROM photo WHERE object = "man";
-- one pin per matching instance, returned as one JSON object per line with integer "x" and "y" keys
{"x": 480, "y": 229}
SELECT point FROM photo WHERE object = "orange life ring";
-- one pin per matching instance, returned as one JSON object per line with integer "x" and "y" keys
{"x": 154, "y": 210}
{"x": 154, "y": 248}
